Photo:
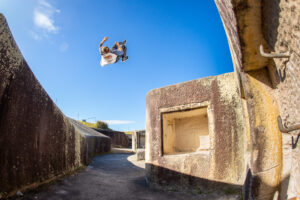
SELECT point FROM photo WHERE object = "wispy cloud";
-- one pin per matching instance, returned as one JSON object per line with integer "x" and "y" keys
{"x": 64, "y": 47}
{"x": 43, "y": 17}
{"x": 118, "y": 122}
{"x": 34, "y": 35}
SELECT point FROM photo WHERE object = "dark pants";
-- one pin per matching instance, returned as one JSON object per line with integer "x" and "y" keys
{"x": 124, "y": 48}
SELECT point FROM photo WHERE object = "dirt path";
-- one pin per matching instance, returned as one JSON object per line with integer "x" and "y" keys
{"x": 108, "y": 177}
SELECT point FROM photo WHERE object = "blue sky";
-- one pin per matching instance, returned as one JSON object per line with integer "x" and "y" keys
{"x": 169, "y": 41}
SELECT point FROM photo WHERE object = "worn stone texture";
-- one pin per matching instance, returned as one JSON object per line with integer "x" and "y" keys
{"x": 281, "y": 28}
{"x": 118, "y": 138}
{"x": 266, "y": 152}
{"x": 271, "y": 90}
{"x": 37, "y": 142}
{"x": 138, "y": 140}
{"x": 224, "y": 161}
{"x": 140, "y": 154}
{"x": 242, "y": 24}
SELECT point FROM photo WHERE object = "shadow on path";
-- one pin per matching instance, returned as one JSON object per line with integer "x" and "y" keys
{"x": 108, "y": 177}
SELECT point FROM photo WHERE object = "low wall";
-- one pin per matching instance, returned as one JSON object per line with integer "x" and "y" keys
{"x": 37, "y": 142}
{"x": 118, "y": 139}
{"x": 95, "y": 142}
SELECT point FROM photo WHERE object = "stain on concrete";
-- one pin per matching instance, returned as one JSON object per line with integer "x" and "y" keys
{"x": 224, "y": 161}
{"x": 37, "y": 142}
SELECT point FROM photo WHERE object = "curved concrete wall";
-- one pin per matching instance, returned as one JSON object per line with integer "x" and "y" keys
{"x": 281, "y": 29}
{"x": 37, "y": 142}
{"x": 270, "y": 87}
{"x": 118, "y": 139}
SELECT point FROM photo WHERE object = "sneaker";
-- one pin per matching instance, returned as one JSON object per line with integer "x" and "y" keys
{"x": 124, "y": 42}
{"x": 124, "y": 59}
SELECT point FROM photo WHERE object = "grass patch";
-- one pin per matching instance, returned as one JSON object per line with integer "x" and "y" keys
{"x": 128, "y": 132}
{"x": 88, "y": 124}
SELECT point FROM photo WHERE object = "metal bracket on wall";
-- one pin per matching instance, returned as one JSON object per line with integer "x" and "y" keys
{"x": 273, "y": 55}
{"x": 285, "y": 129}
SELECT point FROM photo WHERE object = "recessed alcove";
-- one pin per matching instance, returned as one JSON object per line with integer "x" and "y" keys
{"x": 185, "y": 131}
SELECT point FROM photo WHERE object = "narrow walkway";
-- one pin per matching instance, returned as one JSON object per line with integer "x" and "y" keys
{"x": 108, "y": 177}
{"x": 112, "y": 177}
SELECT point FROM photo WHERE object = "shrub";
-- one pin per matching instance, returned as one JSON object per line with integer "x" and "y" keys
{"x": 102, "y": 125}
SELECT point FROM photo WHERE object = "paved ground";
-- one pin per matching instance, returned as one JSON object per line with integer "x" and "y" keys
{"x": 109, "y": 177}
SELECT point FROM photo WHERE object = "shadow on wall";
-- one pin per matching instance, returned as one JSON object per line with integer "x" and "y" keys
{"x": 295, "y": 141}
{"x": 270, "y": 24}
{"x": 252, "y": 183}
{"x": 270, "y": 14}
{"x": 161, "y": 177}
{"x": 170, "y": 179}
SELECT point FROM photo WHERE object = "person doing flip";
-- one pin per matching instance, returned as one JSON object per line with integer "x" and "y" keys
{"x": 113, "y": 55}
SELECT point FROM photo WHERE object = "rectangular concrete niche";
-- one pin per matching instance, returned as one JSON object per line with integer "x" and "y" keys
{"x": 185, "y": 131}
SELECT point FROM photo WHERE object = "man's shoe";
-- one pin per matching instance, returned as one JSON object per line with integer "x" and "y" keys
{"x": 124, "y": 42}
{"x": 124, "y": 59}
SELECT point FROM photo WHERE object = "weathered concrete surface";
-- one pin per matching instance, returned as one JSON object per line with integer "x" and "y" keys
{"x": 224, "y": 161}
{"x": 115, "y": 177}
{"x": 95, "y": 142}
{"x": 266, "y": 155}
{"x": 271, "y": 90}
{"x": 244, "y": 41}
{"x": 37, "y": 142}
{"x": 138, "y": 139}
{"x": 118, "y": 138}
{"x": 140, "y": 154}
{"x": 281, "y": 28}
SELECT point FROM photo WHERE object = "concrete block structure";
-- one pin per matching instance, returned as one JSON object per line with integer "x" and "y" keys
{"x": 138, "y": 140}
{"x": 195, "y": 135}
{"x": 118, "y": 138}
{"x": 270, "y": 86}
{"x": 201, "y": 135}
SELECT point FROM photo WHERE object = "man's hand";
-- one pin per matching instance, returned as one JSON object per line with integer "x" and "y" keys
{"x": 118, "y": 45}
{"x": 104, "y": 40}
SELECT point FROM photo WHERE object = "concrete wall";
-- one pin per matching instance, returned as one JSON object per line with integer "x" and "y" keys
{"x": 270, "y": 88}
{"x": 281, "y": 29}
{"x": 138, "y": 140}
{"x": 37, "y": 142}
{"x": 216, "y": 168}
{"x": 118, "y": 139}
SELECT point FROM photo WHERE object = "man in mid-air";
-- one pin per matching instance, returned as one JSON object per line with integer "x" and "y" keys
{"x": 113, "y": 55}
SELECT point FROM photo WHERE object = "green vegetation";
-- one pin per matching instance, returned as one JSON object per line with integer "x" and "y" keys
{"x": 99, "y": 124}
{"x": 128, "y": 132}
{"x": 88, "y": 124}
{"x": 102, "y": 125}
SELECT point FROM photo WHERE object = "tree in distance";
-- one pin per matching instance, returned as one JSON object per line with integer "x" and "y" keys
{"x": 102, "y": 125}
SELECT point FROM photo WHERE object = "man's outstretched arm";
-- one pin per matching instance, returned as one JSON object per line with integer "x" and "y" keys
{"x": 104, "y": 40}
{"x": 119, "y": 47}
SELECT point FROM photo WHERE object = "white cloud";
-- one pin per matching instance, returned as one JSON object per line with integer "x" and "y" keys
{"x": 43, "y": 17}
{"x": 43, "y": 21}
{"x": 118, "y": 122}
{"x": 64, "y": 47}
